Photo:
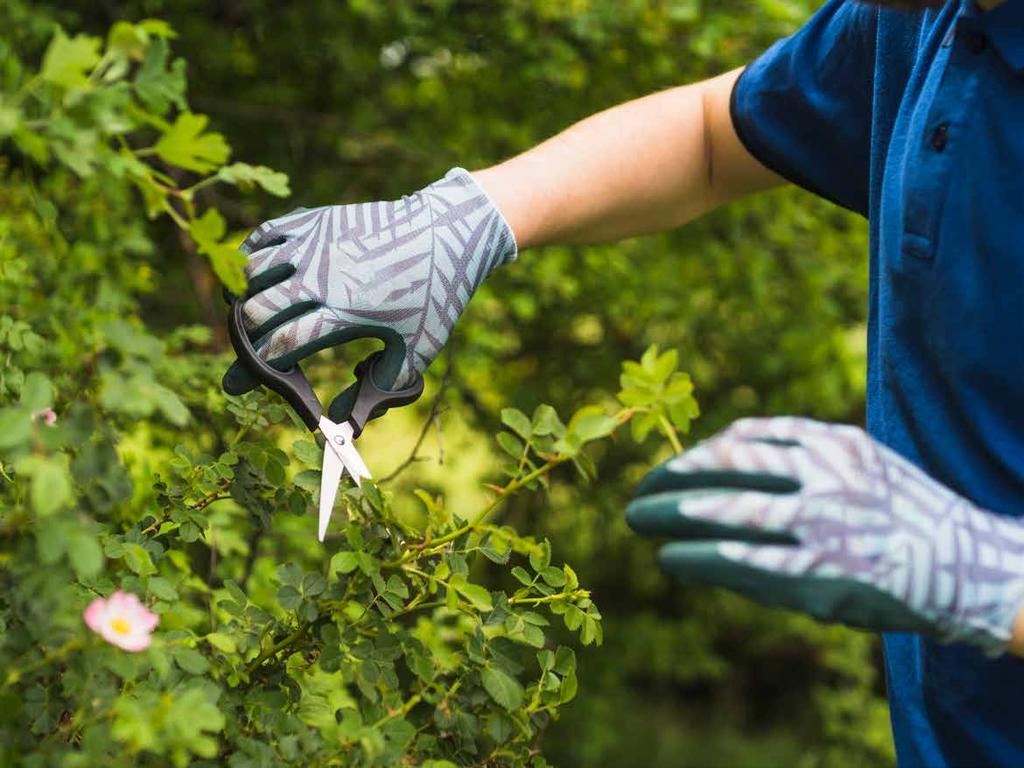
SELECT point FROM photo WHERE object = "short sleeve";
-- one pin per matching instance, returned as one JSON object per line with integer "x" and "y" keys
{"x": 803, "y": 108}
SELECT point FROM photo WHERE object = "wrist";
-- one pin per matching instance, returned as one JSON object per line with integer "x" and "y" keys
{"x": 512, "y": 201}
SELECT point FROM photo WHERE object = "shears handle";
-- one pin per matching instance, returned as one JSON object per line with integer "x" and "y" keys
{"x": 370, "y": 398}
{"x": 295, "y": 388}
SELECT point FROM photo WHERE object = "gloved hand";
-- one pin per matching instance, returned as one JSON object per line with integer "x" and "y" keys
{"x": 401, "y": 271}
{"x": 823, "y": 519}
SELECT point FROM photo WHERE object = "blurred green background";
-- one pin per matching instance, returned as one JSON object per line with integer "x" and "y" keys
{"x": 765, "y": 303}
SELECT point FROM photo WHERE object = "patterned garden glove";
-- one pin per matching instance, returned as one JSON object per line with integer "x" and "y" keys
{"x": 822, "y": 519}
{"x": 400, "y": 271}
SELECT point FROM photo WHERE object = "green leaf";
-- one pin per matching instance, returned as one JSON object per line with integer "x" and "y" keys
{"x": 397, "y": 587}
{"x": 510, "y": 444}
{"x": 158, "y": 85}
{"x": 478, "y": 596}
{"x": 289, "y": 573}
{"x": 222, "y": 642}
{"x": 51, "y": 483}
{"x": 504, "y": 689}
{"x": 345, "y": 562}
{"x": 308, "y": 452}
{"x": 160, "y": 587}
{"x": 68, "y": 61}
{"x": 546, "y": 421}
{"x": 591, "y": 423}
{"x": 247, "y": 176}
{"x": 308, "y": 479}
{"x": 51, "y": 543}
{"x": 567, "y": 691}
{"x": 37, "y": 392}
{"x": 289, "y": 597}
{"x": 533, "y": 636}
{"x": 10, "y": 119}
{"x": 517, "y": 421}
{"x": 553, "y": 576}
{"x": 85, "y": 554}
{"x": 565, "y": 660}
{"x": 191, "y": 660}
{"x": 15, "y": 427}
{"x": 137, "y": 558}
{"x": 186, "y": 145}
{"x": 32, "y": 145}
{"x": 662, "y": 366}
{"x": 158, "y": 28}
{"x": 227, "y": 261}
{"x": 522, "y": 575}
{"x": 169, "y": 405}
{"x": 573, "y": 618}
{"x": 313, "y": 584}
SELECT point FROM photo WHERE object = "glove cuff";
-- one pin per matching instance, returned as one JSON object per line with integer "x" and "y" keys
{"x": 467, "y": 218}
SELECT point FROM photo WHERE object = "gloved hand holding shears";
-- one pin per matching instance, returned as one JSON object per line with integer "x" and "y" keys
{"x": 823, "y": 519}
{"x": 400, "y": 271}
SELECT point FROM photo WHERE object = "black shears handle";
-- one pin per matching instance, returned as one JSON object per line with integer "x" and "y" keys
{"x": 294, "y": 387}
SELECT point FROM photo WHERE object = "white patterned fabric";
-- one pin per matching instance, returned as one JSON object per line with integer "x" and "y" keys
{"x": 864, "y": 513}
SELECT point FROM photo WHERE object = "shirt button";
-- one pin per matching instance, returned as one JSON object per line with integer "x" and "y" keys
{"x": 940, "y": 137}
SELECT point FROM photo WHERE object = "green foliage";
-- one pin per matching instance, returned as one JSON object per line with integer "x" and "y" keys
{"x": 764, "y": 303}
{"x": 382, "y": 649}
{"x": 107, "y": 108}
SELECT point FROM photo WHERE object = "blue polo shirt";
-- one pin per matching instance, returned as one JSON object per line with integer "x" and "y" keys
{"x": 916, "y": 120}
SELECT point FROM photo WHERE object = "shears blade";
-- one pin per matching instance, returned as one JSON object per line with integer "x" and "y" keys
{"x": 340, "y": 454}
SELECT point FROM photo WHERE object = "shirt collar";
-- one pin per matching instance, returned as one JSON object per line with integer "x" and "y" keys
{"x": 1004, "y": 27}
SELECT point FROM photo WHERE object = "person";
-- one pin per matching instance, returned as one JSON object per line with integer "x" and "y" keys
{"x": 912, "y": 116}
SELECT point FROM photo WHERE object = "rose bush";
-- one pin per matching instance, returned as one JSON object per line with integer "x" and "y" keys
{"x": 125, "y": 471}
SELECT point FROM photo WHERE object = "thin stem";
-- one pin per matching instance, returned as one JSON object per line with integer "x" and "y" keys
{"x": 17, "y": 670}
{"x": 437, "y": 544}
{"x": 670, "y": 433}
{"x": 209, "y": 181}
{"x": 578, "y": 593}
{"x": 238, "y": 437}
{"x": 435, "y": 411}
{"x": 177, "y": 217}
{"x": 401, "y": 711}
{"x": 203, "y": 503}
{"x": 273, "y": 650}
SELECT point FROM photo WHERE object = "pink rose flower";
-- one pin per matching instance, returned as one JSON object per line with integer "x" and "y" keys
{"x": 46, "y": 415}
{"x": 122, "y": 620}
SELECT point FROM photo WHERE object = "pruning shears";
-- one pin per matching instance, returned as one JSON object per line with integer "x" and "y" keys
{"x": 340, "y": 453}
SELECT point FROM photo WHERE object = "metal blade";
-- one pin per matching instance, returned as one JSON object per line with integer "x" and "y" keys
{"x": 353, "y": 460}
{"x": 339, "y": 437}
{"x": 330, "y": 478}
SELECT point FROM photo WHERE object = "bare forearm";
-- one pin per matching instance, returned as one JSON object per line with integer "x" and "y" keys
{"x": 644, "y": 166}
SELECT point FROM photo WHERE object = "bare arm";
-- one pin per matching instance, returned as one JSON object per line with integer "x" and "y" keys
{"x": 644, "y": 166}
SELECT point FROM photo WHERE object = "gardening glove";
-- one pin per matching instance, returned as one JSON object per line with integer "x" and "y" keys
{"x": 400, "y": 271}
{"x": 823, "y": 519}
